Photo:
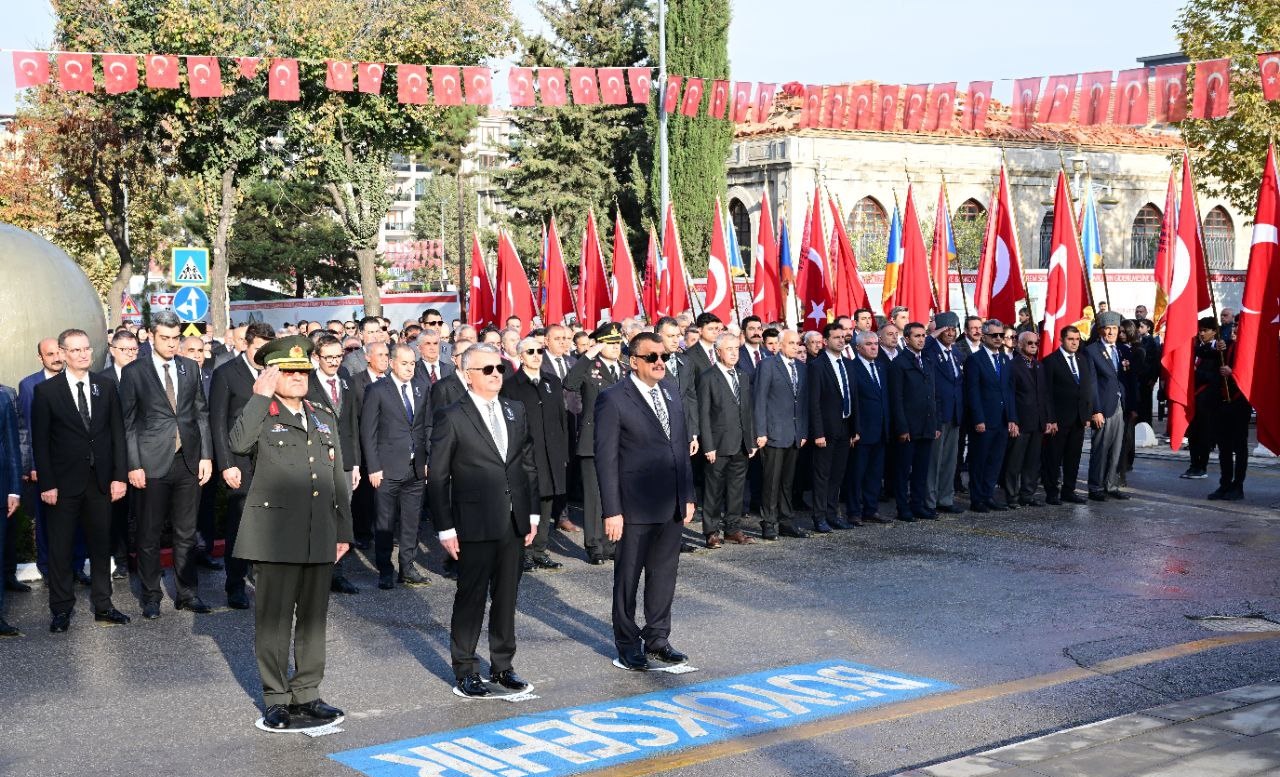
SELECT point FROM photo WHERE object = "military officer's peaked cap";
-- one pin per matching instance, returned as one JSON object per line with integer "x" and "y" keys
{"x": 287, "y": 353}
{"x": 608, "y": 333}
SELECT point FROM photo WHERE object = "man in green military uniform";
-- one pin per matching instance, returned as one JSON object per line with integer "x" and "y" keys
{"x": 296, "y": 524}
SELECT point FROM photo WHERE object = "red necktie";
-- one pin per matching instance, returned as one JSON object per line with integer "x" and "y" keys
{"x": 757, "y": 358}
{"x": 433, "y": 375}
{"x": 333, "y": 392}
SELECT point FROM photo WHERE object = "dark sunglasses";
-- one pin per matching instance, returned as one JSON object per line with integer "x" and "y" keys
{"x": 489, "y": 369}
{"x": 351, "y": 348}
{"x": 432, "y": 323}
{"x": 532, "y": 351}
{"x": 652, "y": 358}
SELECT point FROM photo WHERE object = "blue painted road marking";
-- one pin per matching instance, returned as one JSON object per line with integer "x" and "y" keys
{"x": 581, "y": 739}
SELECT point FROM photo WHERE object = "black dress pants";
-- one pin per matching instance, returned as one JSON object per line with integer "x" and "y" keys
{"x": 399, "y": 510}
{"x": 829, "y": 465}
{"x": 174, "y": 496}
{"x": 1231, "y": 424}
{"x": 90, "y": 509}
{"x": 237, "y": 568}
{"x": 778, "y": 473}
{"x": 1062, "y": 460}
{"x": 487, "y": 571}
{"x": 725, "y": 480}
{"x": 593, "y": 538}
{"x": 652, "y": 549}
{"x": 550, "y": 508}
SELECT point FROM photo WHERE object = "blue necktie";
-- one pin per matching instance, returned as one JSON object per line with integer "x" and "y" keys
{"x": 408, "y": 406}
{"x": 995, "y": 361}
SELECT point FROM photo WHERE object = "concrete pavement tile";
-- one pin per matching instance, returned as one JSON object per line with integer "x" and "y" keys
{"x": 1242, "y": 758}
{"x": 1190, "y": 709}
{"x": 1186, "y": 739}
{"x": 1251, "y": 721}
{"x": 972, "y": 766}
{"x": 1252, "y": 693}
{"x": 1075, "y": 739}
{"x": 1143, "y": 751}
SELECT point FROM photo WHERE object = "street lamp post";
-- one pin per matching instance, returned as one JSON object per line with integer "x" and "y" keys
{"x": 664, "y": 186}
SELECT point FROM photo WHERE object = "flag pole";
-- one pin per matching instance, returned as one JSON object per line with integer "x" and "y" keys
{"x": 1088, "y": 287}
{"x": 946, "y": 204}
{"x": 1102, "y": 261}
{"x": 1017, "y": 242}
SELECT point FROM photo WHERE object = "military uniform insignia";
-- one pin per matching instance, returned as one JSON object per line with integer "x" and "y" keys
{"x": 273, "y": 409}
{"x": 279, "y": 428}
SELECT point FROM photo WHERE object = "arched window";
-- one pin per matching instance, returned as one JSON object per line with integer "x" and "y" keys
{"x": 970, "y": 210}
{"x": 870, "y": 227}
{"x": 1145, "y": 238}
{"x": 968, "y": 225}
{"x": 1219, "y": 239}
{"x": 1046, "y": 240}
{"x": 741, "y": 221}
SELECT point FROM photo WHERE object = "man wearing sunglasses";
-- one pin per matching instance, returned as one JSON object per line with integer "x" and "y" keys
{"x": 1031, "y": 396}
{"x": 483, "y": 490}
{"x": 433, "y": 321}
{"x": 992, "y": 414}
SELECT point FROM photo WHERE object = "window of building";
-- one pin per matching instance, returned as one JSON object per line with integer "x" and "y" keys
{"x": 1219, "y": 239}
{"x": 970, "y": 210}
{"x": 1046, "y": 240}
{"x": 1144, "y": 240}
{"x": 741, "y": 221}
{"x": 869, "y": 224}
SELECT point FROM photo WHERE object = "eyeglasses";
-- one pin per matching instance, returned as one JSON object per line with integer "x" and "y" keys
{"x": 489, "y": 369}
{"x": 333, "y": 357}
{"x": 1007, "y": 337}
{"x": 349, "y": 327}
{"x": 432, "y": 323}
{"x": 351, "y": 348}
{"x": 532, "y": 351}
{"x": 652, "y": 358}
{"x": 124, "y": 350}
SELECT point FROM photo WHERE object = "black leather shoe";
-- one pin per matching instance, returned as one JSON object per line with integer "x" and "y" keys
{"x": 840, "y": 523}
{"x": 151, "y": 610}
{"x": 60, "y": 622}
{"x": 121, "y": 572}
{"x": 508, "y": 679}
{"x": 238, "y": 600}
{"x": 821, "y": 527}
{"x": 790, "y": 530}
{"x": 688, "y": 547}
{"x": 769, "y": 534}
{"x": 195, "y": 604}
{"x": 473, "y": 686}
{"x": 205, "y": 561}
{"x": 16, "y": 586}
{"x": 316, "y": 709}
{"x": 635, "y": 662}
{"x": 526, "y": 564}
{"x": 595, "y": 560}
{"x": 1215, "y": 495}
{"x": 952, "y": 509}
{"x": 1032, "y": 502}
{"x": 1122, "y": 496}
{"x": 414, "y": 579}
{"x": 1234, "y": 495}
{"x": 82, "y": 578}
{"x": 8, "y": 631}
{"x": 1098, "y": 496}
{"x": 979, "y": 509}
{"x": 386, "y": 582}
{"x": 1074, "y": 499}
{"x": 277, "y": 717}
{"x": 907, "y": 517}
{"x": 999, "y": 508}
{"x": 667, "y": 655}
{"x": 543, "y": 561}
{"x": 112, "y": 616}
{"x": 1053, "y": 500}
{"x": 341, "y": 585}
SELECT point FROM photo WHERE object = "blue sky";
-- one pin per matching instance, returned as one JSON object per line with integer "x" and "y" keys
{"x": 832, "y": 41}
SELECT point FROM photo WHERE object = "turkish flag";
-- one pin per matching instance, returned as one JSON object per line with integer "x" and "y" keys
{"x": 764, "y": 101}
{"x": 284, "y": 80}
{"x": 1133, "y": 100}
{"x": 515, "y": 297}
{"x": 862, "y": 114}
{"x": 593, "y": 287}
{"x": 850, "y": 120}
{"x": 248, "y": 67}
{"x": 30, "y": 68}
{"x": 845, "y": 282}
{"x": 915, "y": 289}
{"x": 338, "y": 76}
{"x": 520, "y": 86}
{"x": 651, "y": 285}
{"x": 719, "y": 99}
{"x": 1059, "y": 99}
{"x": 1213, "y": 89}
{"x": 673, "y": 290}
{"x": 741, "y": 101}
{"x": 480, "y": 302}
{"x": 1164, "y": 250}
{"x": 613, "y": 91}
{"x": 447, "y": 80}
{"x": 204, "y": 77}
{"x": 913, "y": 107}
{"x": 557, "y": 297}
{"x": 812, "y": 290}
{"x": 551, "y": 88}
{"x": 811, "y": 113}
{"x": 479, "y": 85}
{"x": 941, "y": 109}
{"x": 887, "y": 108}
{"x": 976, "y": 104}
{"x": 766, "y": 290}
{"x": 1171, "y": 93}
{"x": 692, "y": 97}
{"x": 1026, "y": 91}
{"x": 120, "y": 72}
{"x": 162, "y": 71}
{"x": 1095, "y": 97}
{"x": 1257, "y": 359}
{"x": 719, "y": 296}
{"x": 641, "y": 82}
{"x": 626, "y": 297}
{"x": 75, "y": 72}
{"x": 942, "y": 253}
{"x": 1188, "y": 295}
{"x": 1065, "y": 296}
{"x": 369, "y": 77}
{"x": 582, "y": 85}
{"x": 999, "y": 290}
{"x": 1269, "y": 67}
{"x": 411, "y": 85}
{"x": 671, "y": 95}
{"x": 834, "y": 107}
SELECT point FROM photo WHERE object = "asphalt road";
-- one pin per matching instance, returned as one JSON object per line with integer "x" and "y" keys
{"x": 973, "y": 600}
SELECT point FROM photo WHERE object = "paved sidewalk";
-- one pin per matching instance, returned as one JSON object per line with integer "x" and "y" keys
{"x": 1234, "y": 733}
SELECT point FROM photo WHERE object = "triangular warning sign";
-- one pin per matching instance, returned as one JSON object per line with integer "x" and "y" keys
{"x": 196, "y": 329}
{"x": 190, "y": 272}
{"x": 128, "y": 307}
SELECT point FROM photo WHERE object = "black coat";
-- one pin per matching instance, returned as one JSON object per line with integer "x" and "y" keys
{"x": 150, "y": 423}
{"x": 230, "y": 389}
{"x": 913, "y": 406}
{"x": 644, "y": 476}
{"x": 589, "y": 377}
{"x": 1030, "y": 394}
{"x": 548, "y": 425}
{"x": 387, "y": 439}
{"x": 1068, "y": 402}
{"x": 447, "y": 391}
{"x": 64, "y": 449}
{"x": 685, "y": 381}
{"x": 469, "y": 488}
{"x": 347, "y": 413}
{"x": 826, "y": 418}
{"x": 727, "y": 423}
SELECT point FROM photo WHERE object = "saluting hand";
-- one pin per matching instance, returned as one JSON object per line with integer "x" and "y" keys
{"x": 265, "y": 385}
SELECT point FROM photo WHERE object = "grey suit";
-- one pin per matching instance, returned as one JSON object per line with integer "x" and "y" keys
{"x": 782, "y": 416}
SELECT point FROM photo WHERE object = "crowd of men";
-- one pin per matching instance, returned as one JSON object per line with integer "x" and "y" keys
{"x": 787, "y": 434}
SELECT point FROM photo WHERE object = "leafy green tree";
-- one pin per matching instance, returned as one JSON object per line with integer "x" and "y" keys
{"x": 439, "y": 199}
{"x": 285, "y": 232}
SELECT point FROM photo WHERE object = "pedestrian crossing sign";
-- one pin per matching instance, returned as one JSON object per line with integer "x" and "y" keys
{"x": 190, "y": 267}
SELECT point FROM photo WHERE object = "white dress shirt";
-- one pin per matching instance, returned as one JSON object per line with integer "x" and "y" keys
{"x": 158, "y": 364}
{"x": 75, "y": 395}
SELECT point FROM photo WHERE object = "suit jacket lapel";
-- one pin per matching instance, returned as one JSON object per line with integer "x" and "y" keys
{"x": 470, "y": 410}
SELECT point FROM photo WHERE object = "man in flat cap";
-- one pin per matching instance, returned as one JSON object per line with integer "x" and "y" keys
{"x": 597, "y": 370}
{"x": 948, "y": 382}
{"x": 1111, "y": 394}
{"x": 296, "y": 525}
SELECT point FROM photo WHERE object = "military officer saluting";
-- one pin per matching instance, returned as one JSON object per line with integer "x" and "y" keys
{"x": 296, "y": 524}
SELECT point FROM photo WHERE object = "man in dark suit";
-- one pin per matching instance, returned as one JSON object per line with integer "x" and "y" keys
{"x": 51, "y": 365}
{"x": 1031, "y": 397}
{"x": 1110, "y": 396}
{"x": 10, "y": 478}
{"x": 948, "y": 385}
{"x": 728, "y": 440}
{"x": 230, "y": 389}
{"x": 914, "y": 410}
{"x": 557, "y": 361}
{"x": 992, "y": 416}
{"x": 1069, "y": 383}
{"x": 327, "y": 387}
{"x": 431, "y": 362}
{"x": 781, "y": 396}
{"x": 542, "y": 395}
{"x": 596, "y": 371}
{"x": 395, "y": 425}
{"x": 752, "y": 351}
{"x": 364, "y": 509}
{"x": 372, "y": 330}
{"x": 682, "y": 378}
{"x": 865, "y": 470}
{"x": 192, "y": 347}
{"x": 483, "y": 487}
{"x": 78, "y": 442}
{"x": 124, "y": 351}
{"x": 833, "y": 423}
{"x": 170, "y": 450}
{"x": 641, "y": 441}
{"x": 450, "y": 388}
